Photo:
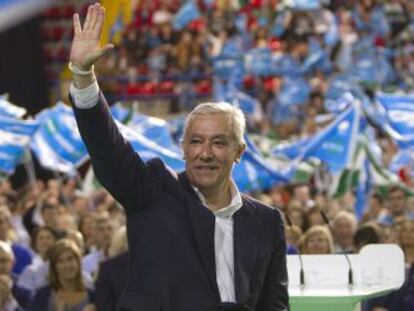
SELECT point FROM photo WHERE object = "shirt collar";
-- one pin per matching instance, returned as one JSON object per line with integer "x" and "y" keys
{"x": 228, "y": 211}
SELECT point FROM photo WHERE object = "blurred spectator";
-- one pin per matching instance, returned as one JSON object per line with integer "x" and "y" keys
{"x": 103, "y": 231}
{"x": 34, "y": 276}
{"x": 12, "y": 296}
{"x": 301, "y": 193}
{"x": 375, "y": 208}
{"x": 66, "y": 289}
{"x": 22, "y": 254}
{"x": 293, "y": 235}
{"x": 406, "y": 240}
{"x": 396, "y": 204}
{"x": 344, "y": 226}
{"x": 86, "y": 227}
{"x": 366, "y": 234}
{"x": 317, "y": 240}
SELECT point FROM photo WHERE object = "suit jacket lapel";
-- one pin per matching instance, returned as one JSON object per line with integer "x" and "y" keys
{"x": 203, "y": 224}
{"x": 246, "y": 244}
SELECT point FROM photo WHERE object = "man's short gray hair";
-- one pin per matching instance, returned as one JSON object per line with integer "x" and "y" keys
{"x": 234, "y": 115}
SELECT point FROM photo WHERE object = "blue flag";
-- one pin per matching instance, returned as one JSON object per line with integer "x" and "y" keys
{"x": 224, "y": 66}
{"x": 335, "y": 144}
{"x": 148, "y": 149}
{"x": 155, "y": 130}
{"x": 294, "y": 91}
{"x": 304, "y": 5}
{"x": 396, "y": 113}
{"x": 403, "y": 160}
{"x": 231, "y": 94}
{"x": 15, "y": 136}
{"x": 121, "y": 113}
{"x": 258, "y": 62}
{"x": 290, "y": 150}
{"x": 185, "y": 15}
{"x": 58, "y": 144}
{"x": 286, "y": 65}
{"x": 254, "y": 172}
{"x": 7, "y": 109}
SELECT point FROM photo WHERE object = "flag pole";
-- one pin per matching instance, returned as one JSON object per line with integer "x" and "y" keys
{"x": 29, "y": 167}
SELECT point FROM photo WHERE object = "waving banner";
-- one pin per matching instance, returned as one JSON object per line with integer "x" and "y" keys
{"x": 15, "y": 136}
{"x": 185, "y": 15}
{"x": 58, "y": 144}
{"x": 396, "y": 113}
{"x": 7, "y": 109}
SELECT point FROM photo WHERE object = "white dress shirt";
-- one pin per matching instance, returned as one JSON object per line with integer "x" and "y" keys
{"x": 223, "y": 244}
{"x": 223, "y": 230}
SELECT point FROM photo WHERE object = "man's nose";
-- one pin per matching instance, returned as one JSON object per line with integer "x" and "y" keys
{"x": 206, "y": 151}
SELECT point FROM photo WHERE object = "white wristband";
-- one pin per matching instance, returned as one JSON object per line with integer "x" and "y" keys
{"x": 80, "y": 72}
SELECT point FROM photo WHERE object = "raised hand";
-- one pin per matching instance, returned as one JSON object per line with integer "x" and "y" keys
{"x": 86, "y": 49}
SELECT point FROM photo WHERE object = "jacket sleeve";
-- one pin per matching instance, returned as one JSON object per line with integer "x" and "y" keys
{"x": 40, "y": 299}
{"x": 274, "y": 293}
{"x": 117, "y": 166}
{"x": 105, "y": 298}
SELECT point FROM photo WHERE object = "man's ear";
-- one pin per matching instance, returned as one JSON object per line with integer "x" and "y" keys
{"x": 240, "y": 150}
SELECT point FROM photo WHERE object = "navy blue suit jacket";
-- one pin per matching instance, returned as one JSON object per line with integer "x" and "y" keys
{"x": 171, "y": 233}
{"x": 111, "y": 282}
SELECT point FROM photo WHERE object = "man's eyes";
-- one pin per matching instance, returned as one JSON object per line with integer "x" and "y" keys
{"x": 216, "y": 142}
{"x": 220, "y": 143}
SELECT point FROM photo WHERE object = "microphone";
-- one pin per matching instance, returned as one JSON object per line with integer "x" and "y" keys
{"x": 350, "y": 271}
{"x": 302, "y": 271}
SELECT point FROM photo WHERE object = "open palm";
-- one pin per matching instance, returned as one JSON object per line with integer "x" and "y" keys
{"x": 86, "y": 49}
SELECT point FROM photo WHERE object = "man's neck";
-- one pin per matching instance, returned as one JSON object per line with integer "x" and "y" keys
{"x": 217, "y": 200}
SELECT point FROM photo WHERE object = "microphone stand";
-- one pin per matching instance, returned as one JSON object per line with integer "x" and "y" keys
{"x": 302, "y": 271}
{"x": 350, "y": 270}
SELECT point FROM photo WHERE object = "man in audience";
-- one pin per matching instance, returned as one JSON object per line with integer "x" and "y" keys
{"x": 104, "y": 229}
{"x": 396, "y": 204}
{"x": 344, "y": 226}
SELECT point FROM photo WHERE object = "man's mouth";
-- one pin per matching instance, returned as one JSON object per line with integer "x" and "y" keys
{"x": 206, "y": 167}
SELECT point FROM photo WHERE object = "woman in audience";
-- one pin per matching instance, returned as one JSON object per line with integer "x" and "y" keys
{"x": 7, "y": 301}
{"x": 66, "y": 290}
{"x": 317, "y": 240}
{"x": 34, "y": 276}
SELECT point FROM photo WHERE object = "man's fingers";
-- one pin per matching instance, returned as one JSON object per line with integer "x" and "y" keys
{"x": 76, "y": 24}
{"x": 100, "y": 20}
{"x": 105, "y": 50}
{"x": 94, "y": 15}
{"x": 88, "y": 18}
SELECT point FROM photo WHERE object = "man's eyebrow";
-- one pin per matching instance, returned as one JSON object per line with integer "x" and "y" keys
{"x": 218, "y": 136}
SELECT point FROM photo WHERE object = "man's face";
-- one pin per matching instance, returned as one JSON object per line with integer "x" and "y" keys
{"x": 50, "y": 216}
{"x": 210, "y": 151}
{"x": 301, "y": 193}
{"x": 397, "y": 202}
{"x": 104, "y": 232}
{"x": 344, "y": 231}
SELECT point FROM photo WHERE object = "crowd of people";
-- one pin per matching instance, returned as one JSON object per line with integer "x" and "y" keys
{"x": 65, "y": 249}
